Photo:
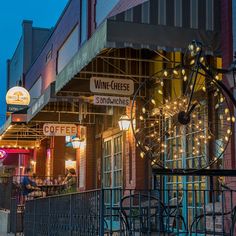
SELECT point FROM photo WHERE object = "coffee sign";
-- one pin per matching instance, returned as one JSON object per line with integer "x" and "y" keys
{"x": 111, "y": 86}
{"x": 59, "y": 129}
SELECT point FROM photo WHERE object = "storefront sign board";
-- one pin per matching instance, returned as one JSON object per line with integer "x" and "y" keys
{"x": 59, "y": 129}
{"x": 111, "y": 86}
{"x": 18, "y": 96}
{"x": 111, "y": 101}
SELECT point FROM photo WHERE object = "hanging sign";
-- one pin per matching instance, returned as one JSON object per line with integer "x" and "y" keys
{"x": 111, "y": 86}
{"x": 18, "y": 96}
{"x": 111, "y": 101}
{"x": 59, "y": 129}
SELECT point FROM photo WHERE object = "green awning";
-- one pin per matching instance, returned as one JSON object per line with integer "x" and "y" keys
{"x": 120, "y": 34}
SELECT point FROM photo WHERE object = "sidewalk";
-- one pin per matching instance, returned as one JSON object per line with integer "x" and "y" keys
{"x": 5, "y": 234}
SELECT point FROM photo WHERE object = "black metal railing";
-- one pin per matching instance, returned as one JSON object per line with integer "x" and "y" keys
{"x": 69, "y": 214}
{"x": 6, "y": 189}
{"x": 133, "y": 212}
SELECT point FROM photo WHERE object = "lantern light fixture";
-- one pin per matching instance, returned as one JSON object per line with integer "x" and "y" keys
{"x": 124, "y": 122}
{"x": 76, "y": 142}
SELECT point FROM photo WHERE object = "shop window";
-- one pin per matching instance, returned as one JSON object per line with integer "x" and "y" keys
{"x": 84, "y": 21}
{"x": 49, "y": 56}
{"x": 35, "y": 91}
{"x": 68, "y": 49}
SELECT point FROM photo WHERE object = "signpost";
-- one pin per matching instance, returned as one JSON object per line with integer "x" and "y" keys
{"x": 112, "y": 86}
{"x": 111, "y": 101}
{"x": 17, "y": 98}
{"x": 59, "y": 129}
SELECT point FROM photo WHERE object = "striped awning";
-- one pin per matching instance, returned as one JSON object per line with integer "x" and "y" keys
{"x": 146, "y": 26}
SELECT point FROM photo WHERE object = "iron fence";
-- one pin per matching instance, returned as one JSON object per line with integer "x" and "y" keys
{"x": 133, "y": 212}
{"x": 6, "y": 189}
{"x": 70, "y": 214}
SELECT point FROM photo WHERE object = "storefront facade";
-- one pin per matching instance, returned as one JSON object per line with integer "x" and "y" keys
{"x": 107, "y": 44}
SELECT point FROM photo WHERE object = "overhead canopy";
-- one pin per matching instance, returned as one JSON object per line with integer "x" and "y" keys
{"x": 17, "y": 133}
{"x": 120, "y": 34}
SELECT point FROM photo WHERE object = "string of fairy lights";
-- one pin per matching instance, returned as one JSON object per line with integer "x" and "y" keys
{"x": 186, "y": 121}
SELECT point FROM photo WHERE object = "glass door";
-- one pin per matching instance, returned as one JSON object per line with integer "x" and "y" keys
{"x": 112, "y": 169}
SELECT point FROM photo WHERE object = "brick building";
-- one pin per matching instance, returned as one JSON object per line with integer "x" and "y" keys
{"x": 131, "y": 41}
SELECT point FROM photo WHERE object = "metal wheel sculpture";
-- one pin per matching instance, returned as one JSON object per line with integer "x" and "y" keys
{"x": 187, "y": 116}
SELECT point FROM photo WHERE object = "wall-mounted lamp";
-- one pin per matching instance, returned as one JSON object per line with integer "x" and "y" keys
{"x": 76, "y": 142}
{"x": 124, "y": 122}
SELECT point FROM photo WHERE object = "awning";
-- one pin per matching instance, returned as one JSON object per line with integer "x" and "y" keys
{"x": 120, "y": 34}
{"x": 41, "y": 102}
{"x": 17, "y": 133}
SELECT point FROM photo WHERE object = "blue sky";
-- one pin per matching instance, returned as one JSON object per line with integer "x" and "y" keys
{"x": 43, "y": 13}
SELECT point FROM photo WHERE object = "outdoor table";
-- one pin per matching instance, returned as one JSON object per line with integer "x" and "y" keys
{"x": 52, "y": 189}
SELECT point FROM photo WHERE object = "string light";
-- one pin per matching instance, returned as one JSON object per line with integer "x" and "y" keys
{"x": 201, "y": 59}
{"x": 153, "y": 101}
{"x": 142, "y": 154}
{"x": 165, "y": 73}
{"x": 175, "y": 72}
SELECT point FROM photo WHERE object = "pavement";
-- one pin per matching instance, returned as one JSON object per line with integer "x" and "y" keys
{"x": 10, "y": 234}
{"x": 5, "y": 234}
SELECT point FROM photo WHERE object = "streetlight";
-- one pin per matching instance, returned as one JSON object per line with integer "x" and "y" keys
{"x": 124, "y": 122}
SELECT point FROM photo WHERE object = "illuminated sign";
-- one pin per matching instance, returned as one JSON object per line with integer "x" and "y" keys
{"x": 59, "y": 129}
{"x": 18, "y": 96}
{"x": 111, "y": 101}
{"x": 111, "y": 86}
{"x": 3, "y": 154}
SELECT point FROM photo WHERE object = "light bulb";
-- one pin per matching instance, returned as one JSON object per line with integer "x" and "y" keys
{"x": 175, "y": 72}
{"x": 142, "y": 154}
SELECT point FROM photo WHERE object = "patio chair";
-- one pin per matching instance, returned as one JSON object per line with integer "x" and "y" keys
{"x": 148, "y": 215}
{"x": 142, "y": 213}
{"x": 175, "y": 219}
{"x": 197, "y": 219}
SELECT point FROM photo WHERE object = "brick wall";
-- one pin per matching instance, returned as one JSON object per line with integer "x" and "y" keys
{"x": 136, "y": 168}
{"x": 87, "y": 160}
{"x": 58, "y": 156}
{"x": 41, "y": 154}
{"x": 227, "y": 52}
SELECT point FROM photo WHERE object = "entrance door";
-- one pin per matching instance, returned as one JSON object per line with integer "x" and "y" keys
{"x": 185, "y": 150}
{"x": 112, "y": 169}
